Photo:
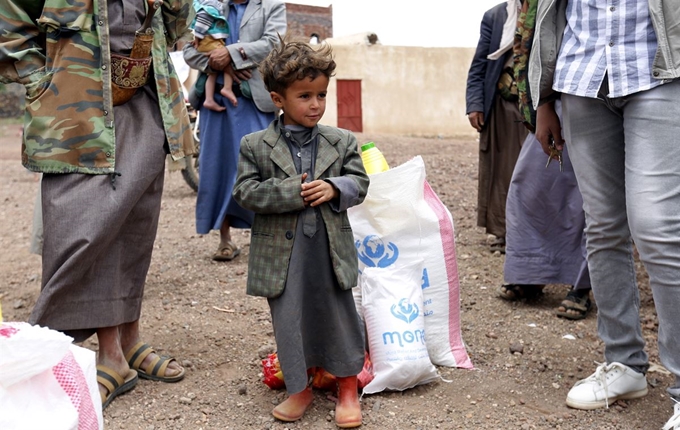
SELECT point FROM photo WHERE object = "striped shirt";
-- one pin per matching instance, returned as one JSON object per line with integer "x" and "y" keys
{"x": 613, "y": 38}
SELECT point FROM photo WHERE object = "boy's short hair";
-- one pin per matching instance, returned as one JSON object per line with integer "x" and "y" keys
{"x": 294, "y": 60}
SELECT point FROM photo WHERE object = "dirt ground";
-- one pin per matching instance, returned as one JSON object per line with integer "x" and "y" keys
{"x": 196, "y": 310}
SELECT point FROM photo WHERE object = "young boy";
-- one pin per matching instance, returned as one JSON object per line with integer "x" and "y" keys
{"x": 210, "y": 32}
{"x": 299, "y": 178}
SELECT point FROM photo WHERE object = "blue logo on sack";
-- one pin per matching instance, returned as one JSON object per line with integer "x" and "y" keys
{"x": 405, "y": 311}
{"x": 426, "y": 280}
{"x": 373, "y": 252}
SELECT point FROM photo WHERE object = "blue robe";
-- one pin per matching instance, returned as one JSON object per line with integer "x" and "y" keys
{"x": 545, "y": 241}
{"x": 221, "y": 134}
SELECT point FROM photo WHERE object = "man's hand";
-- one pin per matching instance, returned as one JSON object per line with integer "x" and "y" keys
{"x": 316, "y": 192}
{"x": 219, "y": 59}
{"x": 548, "y": 126}
{"x": 240, "y": 75}
{"x": 476, "y": 120}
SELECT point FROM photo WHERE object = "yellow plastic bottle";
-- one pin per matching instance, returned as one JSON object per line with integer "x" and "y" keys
{"x": 374, "y": 161}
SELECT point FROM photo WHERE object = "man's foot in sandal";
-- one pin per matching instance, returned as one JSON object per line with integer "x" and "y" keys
{"x": 576, "y": 305}
{"x": 149, "y": 365}
{"x": 226, "y": 252}
{"x": 514, "y": 292}
{"x": 498, "y": 244}
{"x": 112, "y": 384}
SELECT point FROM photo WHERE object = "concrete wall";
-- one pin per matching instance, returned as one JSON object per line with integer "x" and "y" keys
{"x": 405, "y": 90}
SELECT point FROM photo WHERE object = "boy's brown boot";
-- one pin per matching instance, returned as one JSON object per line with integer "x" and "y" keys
{"x": 294, "y": 407}
{"x": 348, "y": 409}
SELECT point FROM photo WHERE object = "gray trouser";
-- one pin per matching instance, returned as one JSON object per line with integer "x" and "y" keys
{"x": 626, "y": 156}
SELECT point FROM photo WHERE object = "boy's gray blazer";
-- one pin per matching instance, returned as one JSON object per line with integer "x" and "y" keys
{"x": 261, "y": 25}
{"x": 268, "y": 184}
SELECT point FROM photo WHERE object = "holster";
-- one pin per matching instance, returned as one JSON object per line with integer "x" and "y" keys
{"x": 128, "y": 74}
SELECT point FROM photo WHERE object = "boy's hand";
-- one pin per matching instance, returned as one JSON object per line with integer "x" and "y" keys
{"x": 316, "y": 192}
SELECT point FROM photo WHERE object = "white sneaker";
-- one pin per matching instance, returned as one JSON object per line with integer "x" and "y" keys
{"x": 674, "y": 422}
{"x": 609, "y": 383}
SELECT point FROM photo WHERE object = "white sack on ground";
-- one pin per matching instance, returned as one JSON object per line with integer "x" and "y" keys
{"x": 46, "y": 382}
{"x": 392, "y": 304}
{"x": 402, "y": 221}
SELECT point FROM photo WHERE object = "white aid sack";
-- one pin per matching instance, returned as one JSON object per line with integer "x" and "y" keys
{"x": 46, "y": 382}
{"x": 392, "y": 304}
{"x": 400, "y": 222}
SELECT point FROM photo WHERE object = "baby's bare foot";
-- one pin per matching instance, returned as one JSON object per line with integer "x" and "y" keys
{"x": 212, "y": 105}
{"x": 229, "y": 94}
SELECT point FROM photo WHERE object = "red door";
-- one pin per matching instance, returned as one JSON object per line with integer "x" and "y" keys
{"x": 349, "y": 105}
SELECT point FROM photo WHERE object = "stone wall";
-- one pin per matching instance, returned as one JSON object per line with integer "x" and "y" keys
{"x": 305, "y": 21}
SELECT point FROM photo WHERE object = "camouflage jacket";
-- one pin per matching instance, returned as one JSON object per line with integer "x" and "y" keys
{"x": 58, "y": 50}
{"x": 524, "y": 37}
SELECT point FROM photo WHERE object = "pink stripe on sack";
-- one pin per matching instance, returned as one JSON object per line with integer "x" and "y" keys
{"x": 72, "y": 380}
{"x": 449, "y": 248}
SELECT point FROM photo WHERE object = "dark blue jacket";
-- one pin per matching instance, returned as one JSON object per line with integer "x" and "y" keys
{"x": 484, "y": 74}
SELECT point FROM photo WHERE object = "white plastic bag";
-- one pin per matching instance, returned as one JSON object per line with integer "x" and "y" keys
{"x": 402, "y": 221}
{"x": 392, "y": 304}
{"x": 26, "y": 351}
{"x": 46, "y": 382}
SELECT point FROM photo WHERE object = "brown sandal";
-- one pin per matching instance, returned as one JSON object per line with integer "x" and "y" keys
{"x": 114, "y": 383}
{"x": 226, "y": 252}
{"x": 155, "y": 370}
{"x": 498, "y": 245}
{"x": 514, "y": 292}
{"x": 575, "y": 306}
